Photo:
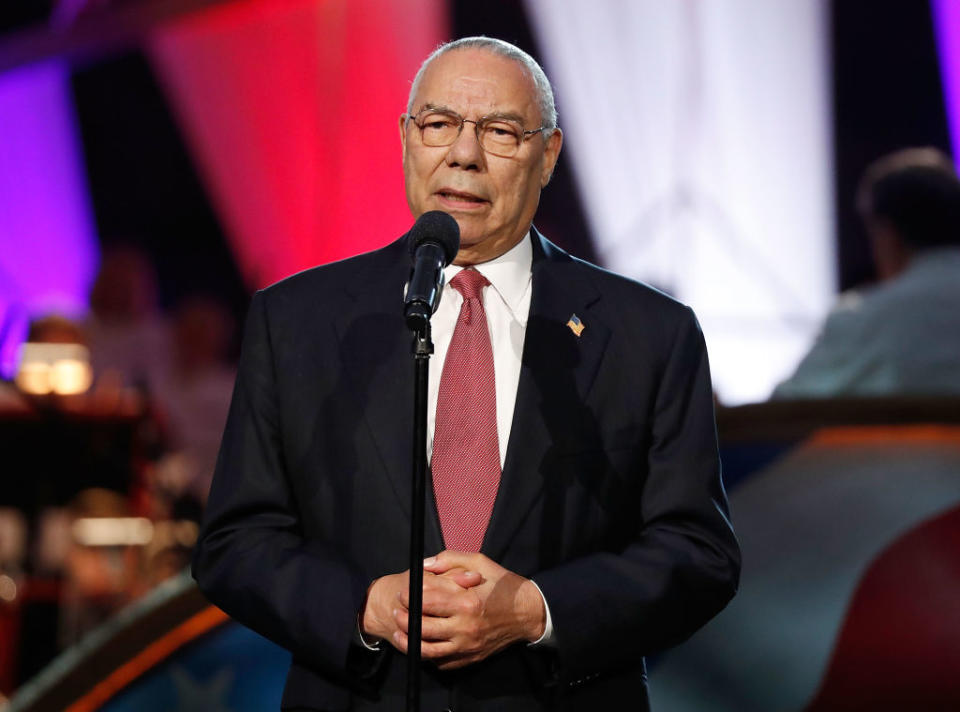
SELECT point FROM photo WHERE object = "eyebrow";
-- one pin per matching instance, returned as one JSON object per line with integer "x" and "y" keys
{"x": 505, "y": 115}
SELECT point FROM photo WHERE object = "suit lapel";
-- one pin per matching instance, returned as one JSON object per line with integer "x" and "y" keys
{"x": 557, "y": 371}
{"x": 376, "y": 354}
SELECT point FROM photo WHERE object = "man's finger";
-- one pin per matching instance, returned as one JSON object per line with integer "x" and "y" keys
{"x": 428, "y": 650}
{"x": 444, "y": 585}
{"x": 448, "y": 559}
{"x": 437, "y": 650}
{"x": 464, "y": 579}
{"x": 442, "y": 604}
{"x": 401, "y": 616}
{"x": 431, "y": 627}
{"x": 436, "y": 629}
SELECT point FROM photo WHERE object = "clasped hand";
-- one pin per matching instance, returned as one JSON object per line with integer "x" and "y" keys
{"x": 472, "y": 607}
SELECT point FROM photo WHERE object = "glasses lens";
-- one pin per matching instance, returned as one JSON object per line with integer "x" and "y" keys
{"x": 438, "y": 128}
{"x": 500, "y": 137}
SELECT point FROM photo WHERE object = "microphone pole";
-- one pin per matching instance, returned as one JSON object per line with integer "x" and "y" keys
{"x": 422, "y": 348}
{"x": 435, "y": 239}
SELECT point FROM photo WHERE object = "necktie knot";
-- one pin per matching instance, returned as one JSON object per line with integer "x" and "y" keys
{"x": 469, "y": 283}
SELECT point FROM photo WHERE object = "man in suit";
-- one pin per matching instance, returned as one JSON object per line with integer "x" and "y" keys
{"x": 576, "y": 514}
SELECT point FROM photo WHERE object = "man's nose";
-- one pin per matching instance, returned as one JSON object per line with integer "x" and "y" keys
{"x": 466, "y": 151}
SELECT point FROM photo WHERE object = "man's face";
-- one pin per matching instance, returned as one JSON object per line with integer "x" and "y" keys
{"x": 492, "y": 198}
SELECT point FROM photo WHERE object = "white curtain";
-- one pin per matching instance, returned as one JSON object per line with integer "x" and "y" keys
{"x": 700, "y": 135}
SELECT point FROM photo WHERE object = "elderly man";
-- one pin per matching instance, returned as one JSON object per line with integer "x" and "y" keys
{"x": 576, "y": 517}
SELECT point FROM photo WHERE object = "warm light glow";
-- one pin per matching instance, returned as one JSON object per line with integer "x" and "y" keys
{"x": 34, "y": 378}
{"x": 113, "y": 531}
{"x": 70, "y": 376}
{"x": 63, "y": 369}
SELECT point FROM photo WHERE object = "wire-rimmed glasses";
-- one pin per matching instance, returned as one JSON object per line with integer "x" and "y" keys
{"x": 498, "y": 135}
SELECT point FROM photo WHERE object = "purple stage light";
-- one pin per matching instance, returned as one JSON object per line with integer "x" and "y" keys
{"x": 48, "y": 244}
{"x": 946, "y": 20}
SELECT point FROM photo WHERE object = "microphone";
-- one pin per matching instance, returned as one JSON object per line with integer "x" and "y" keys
{"x": 434, "y": 242}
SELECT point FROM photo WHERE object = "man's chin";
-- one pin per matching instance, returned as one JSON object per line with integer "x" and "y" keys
{"x": 472, "y": 231}
{"x": 471, "y": 239}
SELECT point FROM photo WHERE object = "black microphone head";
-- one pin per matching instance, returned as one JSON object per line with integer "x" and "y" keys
{"x": 439, "y": 228}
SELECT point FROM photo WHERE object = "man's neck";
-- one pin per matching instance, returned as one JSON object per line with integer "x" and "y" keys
{"x": 485, "y": 251}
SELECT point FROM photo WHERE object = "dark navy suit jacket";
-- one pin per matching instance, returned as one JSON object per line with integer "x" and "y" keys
{"x": 610, "y": 498}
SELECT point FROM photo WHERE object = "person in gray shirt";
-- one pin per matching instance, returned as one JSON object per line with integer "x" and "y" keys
{"x": 901, "y": 336}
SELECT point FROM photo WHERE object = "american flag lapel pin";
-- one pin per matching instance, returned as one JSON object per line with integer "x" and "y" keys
{"x": 576, "y": 326}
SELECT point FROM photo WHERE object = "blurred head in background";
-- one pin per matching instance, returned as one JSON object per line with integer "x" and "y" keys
{"x": 203, "y": 331}
{"x": 910, "y": 202}
{"x": 128, "y": 337}
{"x": 125, "y": 289}
{"x": 56, "y": 329}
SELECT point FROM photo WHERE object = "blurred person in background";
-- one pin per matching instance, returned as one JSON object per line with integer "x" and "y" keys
{"x": 128, "y": 339}
{"x": 901, "y": 336}
{"x": 195, "y": 395}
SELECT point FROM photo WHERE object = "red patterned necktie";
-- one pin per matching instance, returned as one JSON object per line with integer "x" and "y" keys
{"x": 466, "y": 449}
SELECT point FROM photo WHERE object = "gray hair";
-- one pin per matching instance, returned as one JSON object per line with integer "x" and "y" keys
{"x": 548, "y": 109}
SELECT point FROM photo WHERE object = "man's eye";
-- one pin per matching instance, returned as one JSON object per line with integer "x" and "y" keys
{"x": 500, "y": 131}
{"x": 438, "y": 121}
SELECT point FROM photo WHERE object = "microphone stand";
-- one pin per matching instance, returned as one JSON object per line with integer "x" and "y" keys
{"x": 422, "y": 348}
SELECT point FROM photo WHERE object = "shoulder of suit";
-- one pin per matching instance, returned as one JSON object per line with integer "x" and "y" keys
{"x": 331, "y": 278}
{"x": 629, "y": 294}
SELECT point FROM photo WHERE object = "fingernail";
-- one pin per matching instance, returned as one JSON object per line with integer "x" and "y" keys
{"x": 394, "y": 612}
{"x": 470, "y": 573}
{"x": 430, "y": 561}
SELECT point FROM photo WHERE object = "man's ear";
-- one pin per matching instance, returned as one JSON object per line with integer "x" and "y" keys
{"x": 403, "y": 135}
{"x": 550, "y": 155}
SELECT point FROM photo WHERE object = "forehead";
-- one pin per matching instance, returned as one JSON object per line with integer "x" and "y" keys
{"x": 475, "y": 81}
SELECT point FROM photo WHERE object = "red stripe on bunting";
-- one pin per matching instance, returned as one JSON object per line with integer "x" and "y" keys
{"x": 290, "y": 111}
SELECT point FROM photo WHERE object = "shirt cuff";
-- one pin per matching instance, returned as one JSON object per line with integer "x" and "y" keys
{"x": 369, "y": 644}
{"x": 547, "y": 640}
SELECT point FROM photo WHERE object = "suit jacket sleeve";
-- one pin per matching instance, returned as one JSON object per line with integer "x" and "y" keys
{"x": 252, "y": 560}
{"x": 682, "y": 565}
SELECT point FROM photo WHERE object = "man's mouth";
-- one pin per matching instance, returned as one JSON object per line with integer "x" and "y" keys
{"x": 457, "y": 196}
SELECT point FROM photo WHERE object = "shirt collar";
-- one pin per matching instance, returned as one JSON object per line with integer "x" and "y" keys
{"x": 508, "y": 274}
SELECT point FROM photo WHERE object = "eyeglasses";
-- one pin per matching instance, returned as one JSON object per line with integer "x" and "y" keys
{"x": 497, "y": 135}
